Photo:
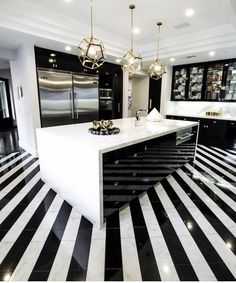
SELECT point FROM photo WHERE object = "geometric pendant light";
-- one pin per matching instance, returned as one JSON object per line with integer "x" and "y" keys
{"x": 157, "y": 68}
{"x": 131, "y": 61}
{"x": 91, "y": 51}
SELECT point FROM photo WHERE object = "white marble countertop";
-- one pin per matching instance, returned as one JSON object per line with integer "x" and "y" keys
{"x": 222, "y": 117}
{"x": 129, "y": 133}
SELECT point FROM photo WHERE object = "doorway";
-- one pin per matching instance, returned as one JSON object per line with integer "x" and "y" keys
{"x": 154, "y": 94}
{"x": 8, "y": 131}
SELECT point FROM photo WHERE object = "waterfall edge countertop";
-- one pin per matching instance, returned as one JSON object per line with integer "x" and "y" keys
{"x": 129, "y": 133}
{"x": 71, "y": 158}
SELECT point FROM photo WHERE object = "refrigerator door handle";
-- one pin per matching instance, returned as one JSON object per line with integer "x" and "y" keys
{"x": 72, "y": 106}
{"x": 76, "y": 106}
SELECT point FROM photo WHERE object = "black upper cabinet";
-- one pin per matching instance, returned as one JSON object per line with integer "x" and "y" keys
{"x": 230, "y": 87}
{"x": 195, "y": 83}
{"x": 179, "y": 83}
{"x": 214, "y": 82}
{"x": 106, "y": 80}
{"x": 208, "y": 81}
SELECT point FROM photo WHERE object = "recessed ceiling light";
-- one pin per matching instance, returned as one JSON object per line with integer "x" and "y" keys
{"x": 68, "y": 48}
{"x": 172, "y": 59}
{"x": 53, "y": 55}
{"x": 118, "y": 60}
{"x": 67, "y": 1}
{"x": 212, "y": 53}
{"x": 189, "y": 12}
{"x": 136, "y": 30}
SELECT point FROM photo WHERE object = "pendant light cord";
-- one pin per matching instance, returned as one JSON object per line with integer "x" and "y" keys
{"x": 91, "y": 17}
{"x": 158, "y": 41}
{"x": 132, "y": 27}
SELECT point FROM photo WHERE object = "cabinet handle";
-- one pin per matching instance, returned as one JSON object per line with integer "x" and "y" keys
{"x": 185, "y": 137}
{"x": 119, "y": 107}
{"x": 150, "y": 103}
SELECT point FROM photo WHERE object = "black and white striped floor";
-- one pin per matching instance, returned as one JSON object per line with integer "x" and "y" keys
{"x": 183, "y": 229}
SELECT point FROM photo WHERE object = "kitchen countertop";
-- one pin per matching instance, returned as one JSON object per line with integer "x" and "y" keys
{"x": 129, "y": 133}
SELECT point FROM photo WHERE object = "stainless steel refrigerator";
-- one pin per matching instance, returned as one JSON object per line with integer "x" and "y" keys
{"x": 67, "y": 98}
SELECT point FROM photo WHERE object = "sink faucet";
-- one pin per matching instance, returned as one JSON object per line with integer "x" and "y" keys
{"x": 137, "y": 120}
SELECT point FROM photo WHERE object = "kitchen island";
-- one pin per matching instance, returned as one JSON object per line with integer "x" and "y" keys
{"x": 72, "y": 160}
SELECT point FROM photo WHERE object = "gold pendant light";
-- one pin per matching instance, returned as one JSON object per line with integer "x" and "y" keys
{"x": 157, "y": 68}
{"x": 131, "y": 61}
{"x": 91, "y": 51}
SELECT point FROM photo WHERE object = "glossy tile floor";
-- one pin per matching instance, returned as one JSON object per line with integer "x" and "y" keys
{"x": 183, "y": 229}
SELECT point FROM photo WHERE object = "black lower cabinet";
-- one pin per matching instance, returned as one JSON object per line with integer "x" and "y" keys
{"x": 231, "y": 130}
{"x": 213, "y": 132}
{"x": 130, "y": 171}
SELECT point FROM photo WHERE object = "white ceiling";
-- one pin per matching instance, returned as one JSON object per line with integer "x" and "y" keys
{"x": 55, "y": 23}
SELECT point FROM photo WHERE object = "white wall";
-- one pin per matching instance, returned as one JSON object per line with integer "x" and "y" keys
{"x": 166, "y": 89}
{"x": 140, "y": 94}
{"x": 126, "y": 93}
{"x": 23, "y": 72}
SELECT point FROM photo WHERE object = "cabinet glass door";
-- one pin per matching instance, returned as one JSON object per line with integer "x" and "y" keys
{"x": 214, "y": 82}
{"x": 179, "y": 89}
{"x": 230, "y": 89}
{"x": 195, "y": 83}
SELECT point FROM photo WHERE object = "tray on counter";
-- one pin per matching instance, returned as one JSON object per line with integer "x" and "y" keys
{"x": 105, "y": 132}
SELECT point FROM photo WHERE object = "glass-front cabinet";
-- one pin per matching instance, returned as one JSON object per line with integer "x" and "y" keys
{"x": 195, "y": 83}
{"x": 230, "y": 87}
{"x": 179, "y": 89}
{"x": 214, "y": 82}
{"x": 207, "y": 81}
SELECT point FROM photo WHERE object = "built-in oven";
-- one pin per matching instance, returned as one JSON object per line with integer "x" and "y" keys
{"x": 105, "y": 93}
{"x": 105, "y": 103}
